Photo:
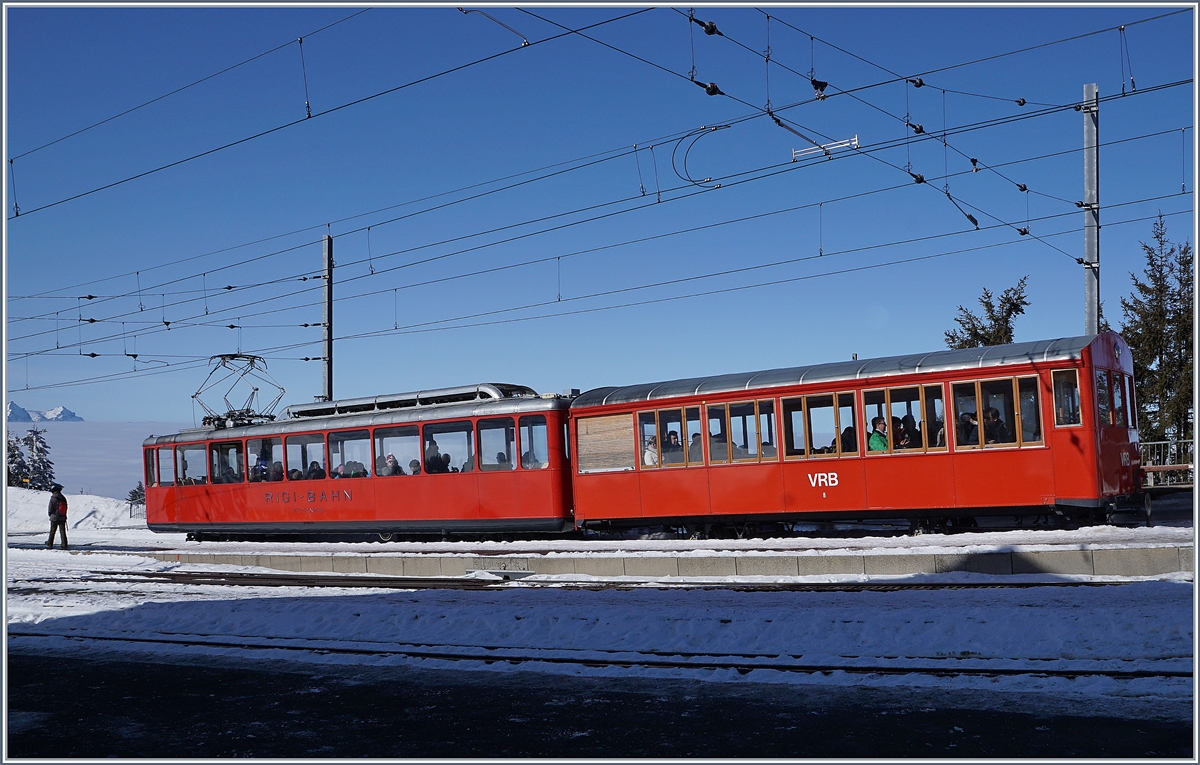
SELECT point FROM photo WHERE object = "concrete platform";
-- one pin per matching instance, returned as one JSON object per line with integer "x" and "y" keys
{"x": 1125, "y": 561}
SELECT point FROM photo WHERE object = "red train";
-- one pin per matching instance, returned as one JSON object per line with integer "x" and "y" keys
{"x": 1046, "y": 427}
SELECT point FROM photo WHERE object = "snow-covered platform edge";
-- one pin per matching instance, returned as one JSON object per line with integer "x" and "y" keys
{"x": 1119, "y": 562}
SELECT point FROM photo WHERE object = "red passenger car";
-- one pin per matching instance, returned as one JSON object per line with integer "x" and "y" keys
{"x": 479, "y": 459}
{"x": 1028, "y": 428}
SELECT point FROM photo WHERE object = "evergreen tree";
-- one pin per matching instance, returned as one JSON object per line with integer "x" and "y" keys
{"x": 1158, "y": 327}
{"x": 16, "y": 468}
{"x": 137, "y": 495}
{"x": 41, "y": 469}
{"x": 995, "y": 327}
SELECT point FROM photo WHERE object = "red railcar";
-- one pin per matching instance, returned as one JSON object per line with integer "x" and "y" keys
{"x": 1029, "y": 428}
{"x": 479, "y": 459}
{"x": 1025, "y": 428}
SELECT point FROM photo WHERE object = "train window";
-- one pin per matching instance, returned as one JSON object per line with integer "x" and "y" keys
{"x": 606, "y": 443}
{"x": 766, "y": 429}
{"x": 694, "y": 436}
{"x": 822, "y": 424}
{"x": 536, "y": 452}
{"x": 497, "y": 444}
{"x": 1118, "y": 390}
{"x": 1031, "y": 421}
{"x": 350, "y": 454}
{"x": 848, "y": 441}
{"x": 905, "y": 428}
{"x": 449, "y": 447}
{"x": 670, "y": 440}
{"x": 875, "y": 410}
{"x": 305, "y": 457}
{"x": 1103, "y": 402}
{"x": 1066, "y": 397}
{"x": 267, "y": 457}
{"x": 400, "y": 450}
{"x": 648, "y": 439}
{"x": 193, "y": 465}
{"x": 743, "y": 432}
{"x": 966, "y": 420}
{"x": 149, "y": 458}
{"x": 793, "y": 427}
{"x": 166, "y": 466}
{"x": 934, "y": 426}
{"x": 999, "y": 412}
{"x": 227, "y": 463}
{"x": 1129, "y": 402}
{"x": 718, "y": 434}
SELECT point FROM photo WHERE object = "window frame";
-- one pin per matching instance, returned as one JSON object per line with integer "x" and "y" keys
{"x": 470, "y": 441}
{"x": 503, "y": 421}
{"x": 321, "y": 441}
{"x": 1106, "y": 375}
{"x": 1015, "y": 427}
{"x": 215, "y": 447}
{"x": 924, "y": 447}
{"x": 201, "y": 447}
{"x": 521, "y": 426}
{"x": 1078, "y": 399}
{"x": 1020, "y": 418}
{"x": 806, "y": 420}
{"x": 386, "y": 432}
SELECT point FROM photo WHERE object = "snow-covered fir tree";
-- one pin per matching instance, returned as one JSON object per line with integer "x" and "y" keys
{"x": 137, "y": 495}
{"x": 41, "y": 469}
{"x": 16, "y": 469}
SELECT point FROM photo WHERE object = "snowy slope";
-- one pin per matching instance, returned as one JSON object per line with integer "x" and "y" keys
{"x": 25, "y": 510}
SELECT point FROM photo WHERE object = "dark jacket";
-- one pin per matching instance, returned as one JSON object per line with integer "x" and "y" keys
{"x": 58, "y": 505}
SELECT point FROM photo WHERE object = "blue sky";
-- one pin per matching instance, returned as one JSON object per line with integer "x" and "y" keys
{"x": 189, "y": 231}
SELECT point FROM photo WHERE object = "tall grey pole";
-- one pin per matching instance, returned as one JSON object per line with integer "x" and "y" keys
{"x": 328, "y": 318}
{"x": 1091, "y": 210}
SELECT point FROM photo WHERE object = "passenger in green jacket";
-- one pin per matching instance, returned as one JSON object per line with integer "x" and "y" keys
{"x": 878, "y": 439}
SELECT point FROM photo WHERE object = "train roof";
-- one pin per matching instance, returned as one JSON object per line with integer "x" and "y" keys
{"x": 1063, "y": 349}
{"x": 483, "y": 400}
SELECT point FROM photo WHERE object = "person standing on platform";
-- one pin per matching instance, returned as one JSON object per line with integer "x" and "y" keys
{"x": 58, "y": 515}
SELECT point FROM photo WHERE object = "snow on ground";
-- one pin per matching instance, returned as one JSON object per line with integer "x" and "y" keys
{"x": 1142, "y": 624}
{"x": 25, "y": 510}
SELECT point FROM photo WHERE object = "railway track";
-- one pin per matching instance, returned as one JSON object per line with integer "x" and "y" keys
{"x": 280, "y": 579}
{"x": 741, "y": 663}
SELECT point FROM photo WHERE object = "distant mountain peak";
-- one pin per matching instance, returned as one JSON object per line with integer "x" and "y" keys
{"x": 16, "y": 413}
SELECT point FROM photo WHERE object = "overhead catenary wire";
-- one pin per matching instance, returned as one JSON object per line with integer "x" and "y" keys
{"x": 898, "y": 76}
{"x": 871, "y": 247}
{"x": 315, "y": 115}
{"x": 414, "y": 329}
{"x": 189, "y": 85}
{"x": 712, "y": 90}
{"x": 787, "y": 167}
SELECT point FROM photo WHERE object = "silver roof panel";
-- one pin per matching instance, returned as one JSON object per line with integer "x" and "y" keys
{"x": 935, "y": 361}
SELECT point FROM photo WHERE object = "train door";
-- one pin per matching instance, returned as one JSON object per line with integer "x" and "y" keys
{"x": 1118, "y": 458}
{"x": 451, "y": 490}
{"x": 539, "y": 477}
{"x": 672, "y": 481}
{"x": 745, "y": 478}
{"x": 909, "y": 466}
{"x": 498, "y": 454}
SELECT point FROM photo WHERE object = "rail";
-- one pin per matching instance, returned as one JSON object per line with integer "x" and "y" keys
{"x": 1169, "y": 463}
{"x": 137, "y": 509}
